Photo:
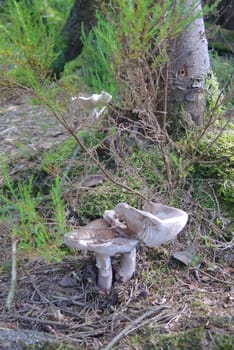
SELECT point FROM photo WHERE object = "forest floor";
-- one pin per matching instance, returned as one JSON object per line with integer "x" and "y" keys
{"x": 59, "y": 302}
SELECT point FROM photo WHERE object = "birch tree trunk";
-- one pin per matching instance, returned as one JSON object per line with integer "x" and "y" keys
{"x": 189, "y": 67}
{"x": 189, "y": 60}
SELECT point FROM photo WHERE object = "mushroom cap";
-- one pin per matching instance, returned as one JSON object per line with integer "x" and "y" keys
{"x": 94, "y": 100}
{"x": 164, "y": 212}
{"x": 99, "y": 238}
{"x": 154, "y": 228}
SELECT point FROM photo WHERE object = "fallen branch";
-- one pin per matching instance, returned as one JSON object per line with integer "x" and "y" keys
{"x": 134, "y": 325}
{"x": 12, "y": 290}
{"x": 216, "y": 279}
{"x": 38, "y": 320}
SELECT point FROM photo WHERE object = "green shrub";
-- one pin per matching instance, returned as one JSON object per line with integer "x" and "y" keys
{"x": 218, "y": 166}
{"x": 111, "y": 50}
{"x": 28, "y": 34}
{"x": 94, "y": 66}
{"x": 56, "y": 159}
{"x": 31, "y": 228}
{"x": 223, "y": 70}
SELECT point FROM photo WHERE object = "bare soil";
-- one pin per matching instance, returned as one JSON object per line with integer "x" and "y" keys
{"x": 59, "y": 301}
{"x": 26, "y": 129}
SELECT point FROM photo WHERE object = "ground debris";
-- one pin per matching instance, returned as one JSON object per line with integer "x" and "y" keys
{"x": 23, "y": 339}
{"x": 27, "y": 129}
{"x": 81, "y": 314}
{"x": 59, "y": 301}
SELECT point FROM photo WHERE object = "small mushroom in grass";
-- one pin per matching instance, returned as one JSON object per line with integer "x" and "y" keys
{"x": 155, "y": 225}
{"x": 100, "y": 238}
{"x": 91, "y": 103}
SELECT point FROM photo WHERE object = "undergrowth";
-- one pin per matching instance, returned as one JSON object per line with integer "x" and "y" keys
{"x": 29, "y": 32}
{"x": 135, "y": 148}
{"x": 28, "y": 226}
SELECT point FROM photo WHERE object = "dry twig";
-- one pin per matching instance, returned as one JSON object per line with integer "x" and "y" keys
{"x": 137, "y": 323}
{"x": 216, "y": 279}
{"x": 38, "y": 320}
{"x": 80, "y": 142}
{"x": 12, "y": 290}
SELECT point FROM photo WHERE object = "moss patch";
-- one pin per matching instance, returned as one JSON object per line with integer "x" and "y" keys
{"x": 92, "y": 203}
{"x": 196, "y": 338}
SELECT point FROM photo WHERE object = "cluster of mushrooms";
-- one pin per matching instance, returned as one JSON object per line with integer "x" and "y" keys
{"x": 119, "y": 232}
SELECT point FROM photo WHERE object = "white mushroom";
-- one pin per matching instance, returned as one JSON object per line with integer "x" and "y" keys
{"x": 156, "y": 225}
{"x": 101, "y": 239}
{"x": 173, "y": 220}
{"x": 92, "y": 102}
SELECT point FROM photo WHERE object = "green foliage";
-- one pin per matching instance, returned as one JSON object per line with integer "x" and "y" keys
{"x": 218, "y": 165}
{"x": 31, "y": 228}
{"x": 147, "y": 164}
{"x": 114, "y": 54}
{"x": 59, "y": 208}
{"x": 123, "y": 62}
{"x": 28, "y": 36}
{"x": 55, "y": 159}
{"x": 141, "y": 169}
{"x": 111, "y": 47}
{"x": 55, "y": 12}
{"x": 95, "y": 66}
{"x": 223, "y": 70}
{"x": 191, "y": 338}
{"x": 32, "y": 231}
{"x": 213, "y": 94}
{"x": 223, "y": 341}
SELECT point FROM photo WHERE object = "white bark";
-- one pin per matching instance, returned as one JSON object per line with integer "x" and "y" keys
{"x": 190, "y": 65}
{"x": 12, "y": 290}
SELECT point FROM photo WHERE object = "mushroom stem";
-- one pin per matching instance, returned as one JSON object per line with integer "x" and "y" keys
{"x": 127, "y": 265}
{"x": 103, "y": 263}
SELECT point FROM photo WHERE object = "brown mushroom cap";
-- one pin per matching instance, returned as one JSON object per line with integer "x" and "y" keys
{"x": 97, "y": 229}
{"x": 99, "y": 238}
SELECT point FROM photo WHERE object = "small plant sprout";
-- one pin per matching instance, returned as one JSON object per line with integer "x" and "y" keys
{"x": 92, "y": 103}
